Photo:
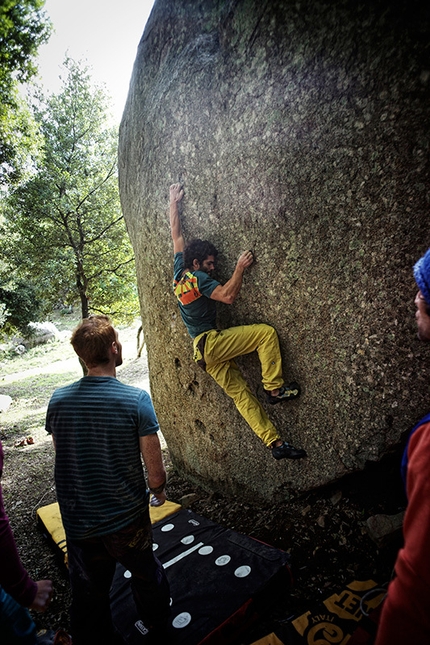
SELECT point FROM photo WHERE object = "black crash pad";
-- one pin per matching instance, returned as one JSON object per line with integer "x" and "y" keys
{"x": 220, "y": 582}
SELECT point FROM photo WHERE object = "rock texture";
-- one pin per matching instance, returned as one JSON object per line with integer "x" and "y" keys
{"x": 383, "y": 528}
{"x": 299, "y": 130}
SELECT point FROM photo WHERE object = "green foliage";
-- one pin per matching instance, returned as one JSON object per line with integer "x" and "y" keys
{"x": 23, "y": 28}
{"x": 64, "y": 224}
{"x": 19, "y": 140}
{"x": 20, "y": 306}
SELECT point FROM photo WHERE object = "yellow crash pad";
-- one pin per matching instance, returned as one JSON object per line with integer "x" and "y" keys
{"x": 50, "y": 517}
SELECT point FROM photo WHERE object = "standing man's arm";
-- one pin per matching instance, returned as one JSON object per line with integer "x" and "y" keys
{"x": 176, "y": 194}
{"x": 228, "y": 292}
{"x": 153, "y": 458}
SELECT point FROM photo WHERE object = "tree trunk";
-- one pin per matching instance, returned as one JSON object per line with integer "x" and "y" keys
{"x": 84, "y": 304}
{"x": 84, "y": 311}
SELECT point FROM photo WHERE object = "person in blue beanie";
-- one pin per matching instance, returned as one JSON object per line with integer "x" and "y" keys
{"x": 422, "y": 300}
{"x": 405, "y": 616}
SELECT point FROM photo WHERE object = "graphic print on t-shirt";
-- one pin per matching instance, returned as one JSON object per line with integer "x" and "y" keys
{"x": 186, "y": 289}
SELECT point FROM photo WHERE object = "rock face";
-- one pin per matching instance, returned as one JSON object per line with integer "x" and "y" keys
{"x": 299, "y": 130}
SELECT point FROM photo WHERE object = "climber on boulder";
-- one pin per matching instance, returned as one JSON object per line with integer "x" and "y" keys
{"x": 215, "y": 350}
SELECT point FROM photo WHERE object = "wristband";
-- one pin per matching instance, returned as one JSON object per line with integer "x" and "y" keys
{"x": 158, "y": 489}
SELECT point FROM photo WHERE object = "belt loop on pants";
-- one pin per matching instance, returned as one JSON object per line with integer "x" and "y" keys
{"x": 199, "y": 348}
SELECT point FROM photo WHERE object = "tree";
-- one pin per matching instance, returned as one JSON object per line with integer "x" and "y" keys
{"x": 18, "y": 306}
{"x": 23, "y": 28}
{"x": 65, "y": 229}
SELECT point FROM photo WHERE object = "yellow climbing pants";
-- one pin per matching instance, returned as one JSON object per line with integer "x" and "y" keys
{"x": 221, "y": 347}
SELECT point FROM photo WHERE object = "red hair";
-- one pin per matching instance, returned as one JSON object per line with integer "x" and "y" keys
{"x": 92, "y": 340}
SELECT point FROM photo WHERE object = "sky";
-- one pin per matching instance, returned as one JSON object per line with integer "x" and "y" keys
{"x": 103, "y": 33}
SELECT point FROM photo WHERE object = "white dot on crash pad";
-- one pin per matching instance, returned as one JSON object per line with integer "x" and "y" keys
{"x": 205, "y": 550}
{"x": 242, "y": 572}
{"x": 222, "y": 560}
{"x": 188, "y": 539}
{"x": 182, "y": 620}
{"x": 167, "y": 527}
{"x": 154, "y": 546}
{"x": 127, "y": 574}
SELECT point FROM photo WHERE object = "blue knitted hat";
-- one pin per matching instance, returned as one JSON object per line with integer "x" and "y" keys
{"x": 422, "y": 276}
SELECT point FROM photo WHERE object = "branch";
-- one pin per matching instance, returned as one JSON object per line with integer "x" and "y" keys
{"x": 103, "y": 231}
{"x": 93, "y": 190}
{"x": 114, "y": 270}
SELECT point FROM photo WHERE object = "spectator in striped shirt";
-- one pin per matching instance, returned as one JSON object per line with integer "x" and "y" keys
{"x": 101, "y": 428}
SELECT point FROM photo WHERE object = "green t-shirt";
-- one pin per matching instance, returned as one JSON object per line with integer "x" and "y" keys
{"x": 193, "y": 290}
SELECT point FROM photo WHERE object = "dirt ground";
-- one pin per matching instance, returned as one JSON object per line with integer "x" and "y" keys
{"x": 324, "y": 531}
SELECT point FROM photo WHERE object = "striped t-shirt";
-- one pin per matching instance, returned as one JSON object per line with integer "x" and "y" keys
{"x": 96, "y": 424}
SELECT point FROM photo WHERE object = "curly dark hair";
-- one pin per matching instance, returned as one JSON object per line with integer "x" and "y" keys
{"x": 198, "y": 250}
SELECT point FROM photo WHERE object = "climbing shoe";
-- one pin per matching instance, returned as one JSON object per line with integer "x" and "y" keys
{"x": 287, "y": 451}
{"x": 286, "y": 393}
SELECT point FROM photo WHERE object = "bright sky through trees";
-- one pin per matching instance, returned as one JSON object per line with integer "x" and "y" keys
{"x": 104, "y": 33}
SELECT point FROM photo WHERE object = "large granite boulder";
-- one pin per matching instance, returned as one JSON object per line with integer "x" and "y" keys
{"x": 299, "y": 130}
